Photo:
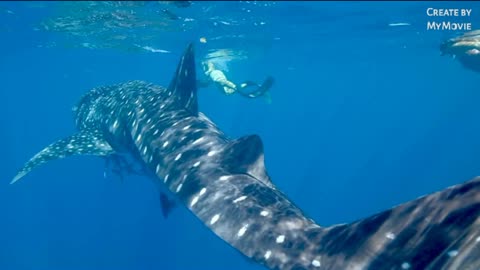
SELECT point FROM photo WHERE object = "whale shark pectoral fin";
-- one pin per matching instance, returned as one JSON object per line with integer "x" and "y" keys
{"x": 245, "y": 155}
{"x": 184, "y": 84}
{"x": 166, "y": 204}
{"x": 82, "y": 143}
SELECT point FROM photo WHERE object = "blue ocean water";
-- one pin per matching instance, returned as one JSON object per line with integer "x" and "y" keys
{"x": 364, "y": 116}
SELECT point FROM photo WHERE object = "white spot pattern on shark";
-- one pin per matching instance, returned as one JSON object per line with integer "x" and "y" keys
{"x": 232, "y": 194}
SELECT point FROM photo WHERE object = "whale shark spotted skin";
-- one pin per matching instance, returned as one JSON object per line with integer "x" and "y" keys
{"x": 224, "y": 183}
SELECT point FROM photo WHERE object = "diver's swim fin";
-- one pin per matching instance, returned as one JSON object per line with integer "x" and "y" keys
{"x": 267, "y": 84}
{"x": 268, "y": 97}
{"x": 261, "y": 89}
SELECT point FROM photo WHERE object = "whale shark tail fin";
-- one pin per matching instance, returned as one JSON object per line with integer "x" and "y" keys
{"x": 184, "y": 84}
{"x": 82, "y": 143}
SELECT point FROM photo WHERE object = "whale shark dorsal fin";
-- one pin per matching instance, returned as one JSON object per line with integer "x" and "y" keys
{"x": 184, "y": 84}
{"x": 245, "y": 156}
{"x": 83, "y": 143}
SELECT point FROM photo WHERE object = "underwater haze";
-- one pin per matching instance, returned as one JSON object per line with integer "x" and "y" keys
{"x": 365, "y": 114}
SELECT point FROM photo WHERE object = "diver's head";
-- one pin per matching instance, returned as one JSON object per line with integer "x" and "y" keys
{"x": 208, "y": 66}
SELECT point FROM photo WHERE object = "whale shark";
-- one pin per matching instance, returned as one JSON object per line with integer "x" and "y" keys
{"x": 223, "y": 181}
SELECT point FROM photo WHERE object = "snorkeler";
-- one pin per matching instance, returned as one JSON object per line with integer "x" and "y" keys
{"x": 226, "y": 86}
{"x": 219, "y": 78}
